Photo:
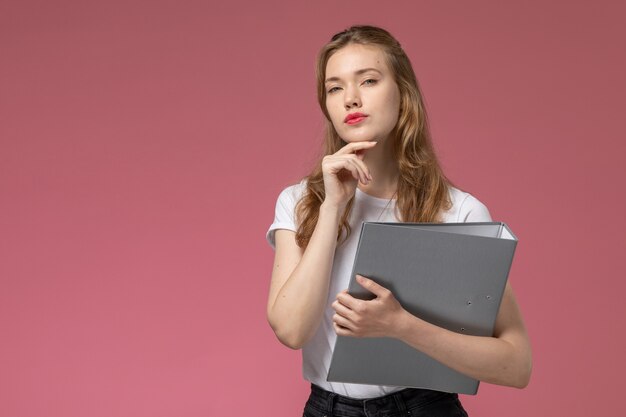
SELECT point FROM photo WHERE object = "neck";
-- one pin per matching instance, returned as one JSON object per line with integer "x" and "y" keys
{"x": 384, "y": 169}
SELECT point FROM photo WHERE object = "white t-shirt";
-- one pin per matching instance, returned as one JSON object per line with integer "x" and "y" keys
{"x": 317, "y": 352}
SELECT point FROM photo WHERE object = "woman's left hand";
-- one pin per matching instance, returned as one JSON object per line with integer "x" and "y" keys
{"x": 360, "y": 318}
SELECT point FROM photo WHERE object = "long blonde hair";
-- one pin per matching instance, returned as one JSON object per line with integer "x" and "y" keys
{"x": 422, "y": 192}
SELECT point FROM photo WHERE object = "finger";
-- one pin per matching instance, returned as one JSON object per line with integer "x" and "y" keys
{"x": 341, "y": 331}
{"x": 360, "y": 168}
{"x": 335, "y": 165}
{"x": 359, "y": 161}
{"x": 363, "y": 170}
{"x": 372, "y": 287}
{"x": 355, "y": 146}
{"x": 343, "y": 311}
{"x": 349, "y": 301}
{"x": 342, "y": 322}
{"x": 337, "y": 162}
{"x": 343, "y": 173}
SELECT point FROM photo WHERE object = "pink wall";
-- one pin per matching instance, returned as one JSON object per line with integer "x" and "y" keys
{"x": 143, "y": 145}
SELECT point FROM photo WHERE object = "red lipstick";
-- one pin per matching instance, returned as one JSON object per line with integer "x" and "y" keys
{"x": 354, "y": 118}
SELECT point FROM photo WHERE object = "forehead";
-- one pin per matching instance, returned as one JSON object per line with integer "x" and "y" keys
{"x": 354, "y": 57}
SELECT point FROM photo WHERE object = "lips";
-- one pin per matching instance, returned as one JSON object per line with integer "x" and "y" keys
{"x": 354, "y": 118}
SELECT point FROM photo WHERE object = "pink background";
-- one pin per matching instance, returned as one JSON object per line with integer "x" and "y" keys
{"x": 143, "y": 145}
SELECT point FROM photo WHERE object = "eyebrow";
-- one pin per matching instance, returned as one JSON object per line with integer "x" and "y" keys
{"x": 359, "y": 72}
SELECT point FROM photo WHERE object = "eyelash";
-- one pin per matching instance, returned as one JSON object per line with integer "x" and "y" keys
{"x": 373, "y": 81}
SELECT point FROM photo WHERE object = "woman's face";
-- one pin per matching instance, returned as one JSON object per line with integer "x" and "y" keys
{"x": 362, "y": 98}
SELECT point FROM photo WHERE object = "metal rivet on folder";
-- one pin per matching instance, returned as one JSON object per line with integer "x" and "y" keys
{"x": 488, "y": 297}
{"x": 469, "y": 303}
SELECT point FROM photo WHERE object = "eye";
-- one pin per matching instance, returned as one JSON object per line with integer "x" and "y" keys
{"x": 332, "y": 90}
{"x": 370, "y": 81}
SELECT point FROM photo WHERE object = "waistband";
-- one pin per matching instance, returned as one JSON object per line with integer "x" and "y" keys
{"x": 397, "y": 401}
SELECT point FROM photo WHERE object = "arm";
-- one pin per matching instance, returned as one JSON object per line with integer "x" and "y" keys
{"x": 504, "y": 359}
{"x": 301, "y": 278}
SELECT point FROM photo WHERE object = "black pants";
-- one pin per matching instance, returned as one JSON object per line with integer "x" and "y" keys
{"x": 408, "y": 402}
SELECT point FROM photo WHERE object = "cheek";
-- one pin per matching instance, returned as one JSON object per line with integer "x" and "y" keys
{"x": 393, "y": 106}
{"x": 389, "y": 110}
{"x": 335, "y": 115}
{"x": 394, "y": 100}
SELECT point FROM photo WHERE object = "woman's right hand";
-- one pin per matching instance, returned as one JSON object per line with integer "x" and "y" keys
{"x": 342, "y": 171}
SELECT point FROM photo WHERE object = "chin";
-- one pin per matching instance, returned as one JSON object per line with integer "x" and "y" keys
{"x": 358, "y": 138}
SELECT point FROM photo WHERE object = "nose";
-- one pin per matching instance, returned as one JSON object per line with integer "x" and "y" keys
{"x": 352, "y": 98}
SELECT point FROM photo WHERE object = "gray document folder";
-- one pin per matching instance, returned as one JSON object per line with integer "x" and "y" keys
{"x": 450, "y": 274}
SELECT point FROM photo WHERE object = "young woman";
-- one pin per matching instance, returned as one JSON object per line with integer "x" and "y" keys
{"x": 379, "y": 165}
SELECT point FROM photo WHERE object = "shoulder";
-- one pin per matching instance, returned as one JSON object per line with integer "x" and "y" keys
{"x": 465, "y": 208}
{"x": 284, "y": 215}
{"x": 291, "y": 194}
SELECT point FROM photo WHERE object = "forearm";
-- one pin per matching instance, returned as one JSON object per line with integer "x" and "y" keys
{"x": 489, "y": 359}
{"x": 299, "y": 305}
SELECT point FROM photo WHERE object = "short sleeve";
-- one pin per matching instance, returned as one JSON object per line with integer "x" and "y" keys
{"x": 284, "y": 217}
{"x": 472, "y": 210}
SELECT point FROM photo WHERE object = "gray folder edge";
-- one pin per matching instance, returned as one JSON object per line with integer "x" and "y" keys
{"x": 394, "y": 254}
